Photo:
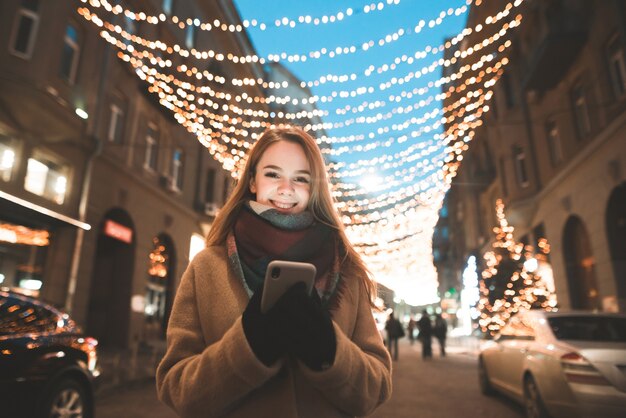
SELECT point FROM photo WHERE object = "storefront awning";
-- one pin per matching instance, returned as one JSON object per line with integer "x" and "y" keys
{"x": 44, "y": 211}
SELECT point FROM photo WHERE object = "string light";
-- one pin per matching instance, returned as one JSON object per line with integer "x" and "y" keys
{"x": 524, "y": 289}
{"x": 216, "y": 24}
{"x": 395, "y": 222}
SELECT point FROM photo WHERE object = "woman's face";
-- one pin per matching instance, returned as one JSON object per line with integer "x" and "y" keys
{"x": 283, "y": 178}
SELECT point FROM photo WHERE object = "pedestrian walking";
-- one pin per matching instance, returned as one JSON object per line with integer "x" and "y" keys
{"x": 410, "y": 328}
{"x": 318, "y": 355}
{"x": 441, "y": 330}
{"x": 395, "y": 331}
{"x": 425, "y": 335}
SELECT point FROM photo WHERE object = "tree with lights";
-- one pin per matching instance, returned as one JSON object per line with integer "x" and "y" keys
{"x": 510, "y": 280}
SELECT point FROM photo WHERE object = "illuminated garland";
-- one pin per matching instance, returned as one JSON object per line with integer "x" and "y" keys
{"x": 216, "y": 24}
{"x": 525, "y": 289}
{"x": 393, "y": 222}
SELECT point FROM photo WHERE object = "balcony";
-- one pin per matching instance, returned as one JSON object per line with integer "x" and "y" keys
{"x": 555, "y": 51}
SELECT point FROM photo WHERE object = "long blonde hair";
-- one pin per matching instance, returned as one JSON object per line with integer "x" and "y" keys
{"x": 320, "y": 202}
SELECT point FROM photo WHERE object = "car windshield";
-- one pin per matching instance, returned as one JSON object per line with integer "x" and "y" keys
{"x": 589, "y": 328}
{"x": 20, "y": 317}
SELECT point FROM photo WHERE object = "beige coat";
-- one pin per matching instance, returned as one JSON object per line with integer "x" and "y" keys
{"x": 209, "y": 369}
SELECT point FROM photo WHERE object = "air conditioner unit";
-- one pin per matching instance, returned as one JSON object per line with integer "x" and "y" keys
{"x": 171, "y": 185}
{"x": 168, "y": 183}
{"x": 211, "y": 209}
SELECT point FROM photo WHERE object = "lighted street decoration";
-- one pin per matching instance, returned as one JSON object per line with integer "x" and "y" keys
{"x": 402, "y": 212}
{"x": 511, "y": 280}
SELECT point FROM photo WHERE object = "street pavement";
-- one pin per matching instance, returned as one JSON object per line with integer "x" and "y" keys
{"x": 438, "y": 388}
{"x": 441, "y": 387}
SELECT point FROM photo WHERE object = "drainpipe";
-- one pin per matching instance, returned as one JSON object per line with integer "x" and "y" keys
{"x": 621, "y": 12}
{"x": 86, "y": 184}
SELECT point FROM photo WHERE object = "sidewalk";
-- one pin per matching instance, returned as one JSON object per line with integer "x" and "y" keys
{"x": 120, "y": 367}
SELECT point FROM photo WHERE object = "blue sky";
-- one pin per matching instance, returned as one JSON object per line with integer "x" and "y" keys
{"x": 355, "y": 30}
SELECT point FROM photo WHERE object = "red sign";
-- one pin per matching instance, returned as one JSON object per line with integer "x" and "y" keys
{"x": 117, "y": 231}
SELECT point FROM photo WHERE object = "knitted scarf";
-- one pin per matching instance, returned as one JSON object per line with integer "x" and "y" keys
{"x": 262, "y": 234}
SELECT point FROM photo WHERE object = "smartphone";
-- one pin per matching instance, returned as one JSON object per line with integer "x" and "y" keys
{"x": 280, "y": 276}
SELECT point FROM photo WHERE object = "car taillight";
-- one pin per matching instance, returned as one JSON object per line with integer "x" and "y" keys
{"x": 578, "y": 370}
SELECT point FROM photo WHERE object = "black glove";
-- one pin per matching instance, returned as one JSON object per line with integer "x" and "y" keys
{"x": 307, "y": 327}
{"x": 262, "y": 331}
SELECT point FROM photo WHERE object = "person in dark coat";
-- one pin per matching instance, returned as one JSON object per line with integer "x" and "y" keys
{"x": 440, "y": 331}
{"x": 425, "y": 335}
{"x": 411, "y": 329}
{"x": 394, "y": 332}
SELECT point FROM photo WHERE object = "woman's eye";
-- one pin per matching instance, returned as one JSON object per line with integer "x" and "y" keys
{"x": 271, "y": 174}
{"x": 302, "y": 180}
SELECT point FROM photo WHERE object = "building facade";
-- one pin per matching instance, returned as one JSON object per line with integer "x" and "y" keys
{"x": 553, "y": 146}
{"x": 104, "y": 196}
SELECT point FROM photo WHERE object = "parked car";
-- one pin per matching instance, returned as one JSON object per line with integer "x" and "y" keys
{"x": 559, "y": 364}
{"x": 47, "y": 366}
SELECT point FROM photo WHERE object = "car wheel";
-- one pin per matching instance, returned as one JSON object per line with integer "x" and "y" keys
{"x": 66, "y": 399}
{"x": 533, "y": 404}
{"x": 483, "y": 379}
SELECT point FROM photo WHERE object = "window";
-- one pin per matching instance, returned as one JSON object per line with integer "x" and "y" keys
{"x": 519, "y": 160}
{"x": 617, "y": 67}
{"x": 226, "y": 189}
{"x": 505, "y": 186}
{"x": 116, "y": 124}
{"x": 167, "y": 6}
{"x": 508, "y": 91}
{"x": 130, "y": 27}
{"x": 47, "y": 179}
{"x": 7, "y": 159}
{"x": 190, "y": 36}
{"x": 152, "y": 148}
{"x": 25, "y": 29}
{"x": 209, "y": 193}
{"x": 581, "y": 111}
{"x": 177, "y": 169}
{"x": 554, "y": 142}
{"x": 71, "y": 51}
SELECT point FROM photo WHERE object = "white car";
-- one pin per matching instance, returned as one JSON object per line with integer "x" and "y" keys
{"x": 559, "y": 364}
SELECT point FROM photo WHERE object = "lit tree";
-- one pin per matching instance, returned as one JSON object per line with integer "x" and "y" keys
{"x": 510, "y": 279}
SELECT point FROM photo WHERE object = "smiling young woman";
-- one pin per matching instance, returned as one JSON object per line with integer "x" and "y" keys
{"x": 308, "y": 356}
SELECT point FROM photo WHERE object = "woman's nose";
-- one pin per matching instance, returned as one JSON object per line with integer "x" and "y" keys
{"x": 285, "y": 187}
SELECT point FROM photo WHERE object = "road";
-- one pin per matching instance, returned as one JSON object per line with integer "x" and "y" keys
{"x": 439, "y": 388}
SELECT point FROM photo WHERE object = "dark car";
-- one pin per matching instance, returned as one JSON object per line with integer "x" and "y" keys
{"x": 47, "y": 366}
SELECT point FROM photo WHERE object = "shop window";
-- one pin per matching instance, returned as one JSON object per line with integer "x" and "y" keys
{"x": 581, "y": 111}
{"x": 157, "y": 282}
{"x": 47, "y": 179}
{"x": 196, "y": 244}
{"x": 25, "y": 29}
{"x": 519, "y": 159}
{"x": 617, "y": 67}
{"x": 7, "y": 160}
{"x": 554, "y": 142}
{"x": 70, "y": 54}
{"x": 23, "y": 253}
{"x": 177, "y": 169}
{"x": 152, "y": 148}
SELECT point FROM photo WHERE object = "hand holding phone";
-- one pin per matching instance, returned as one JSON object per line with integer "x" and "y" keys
{"x": 280, "y": 276}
